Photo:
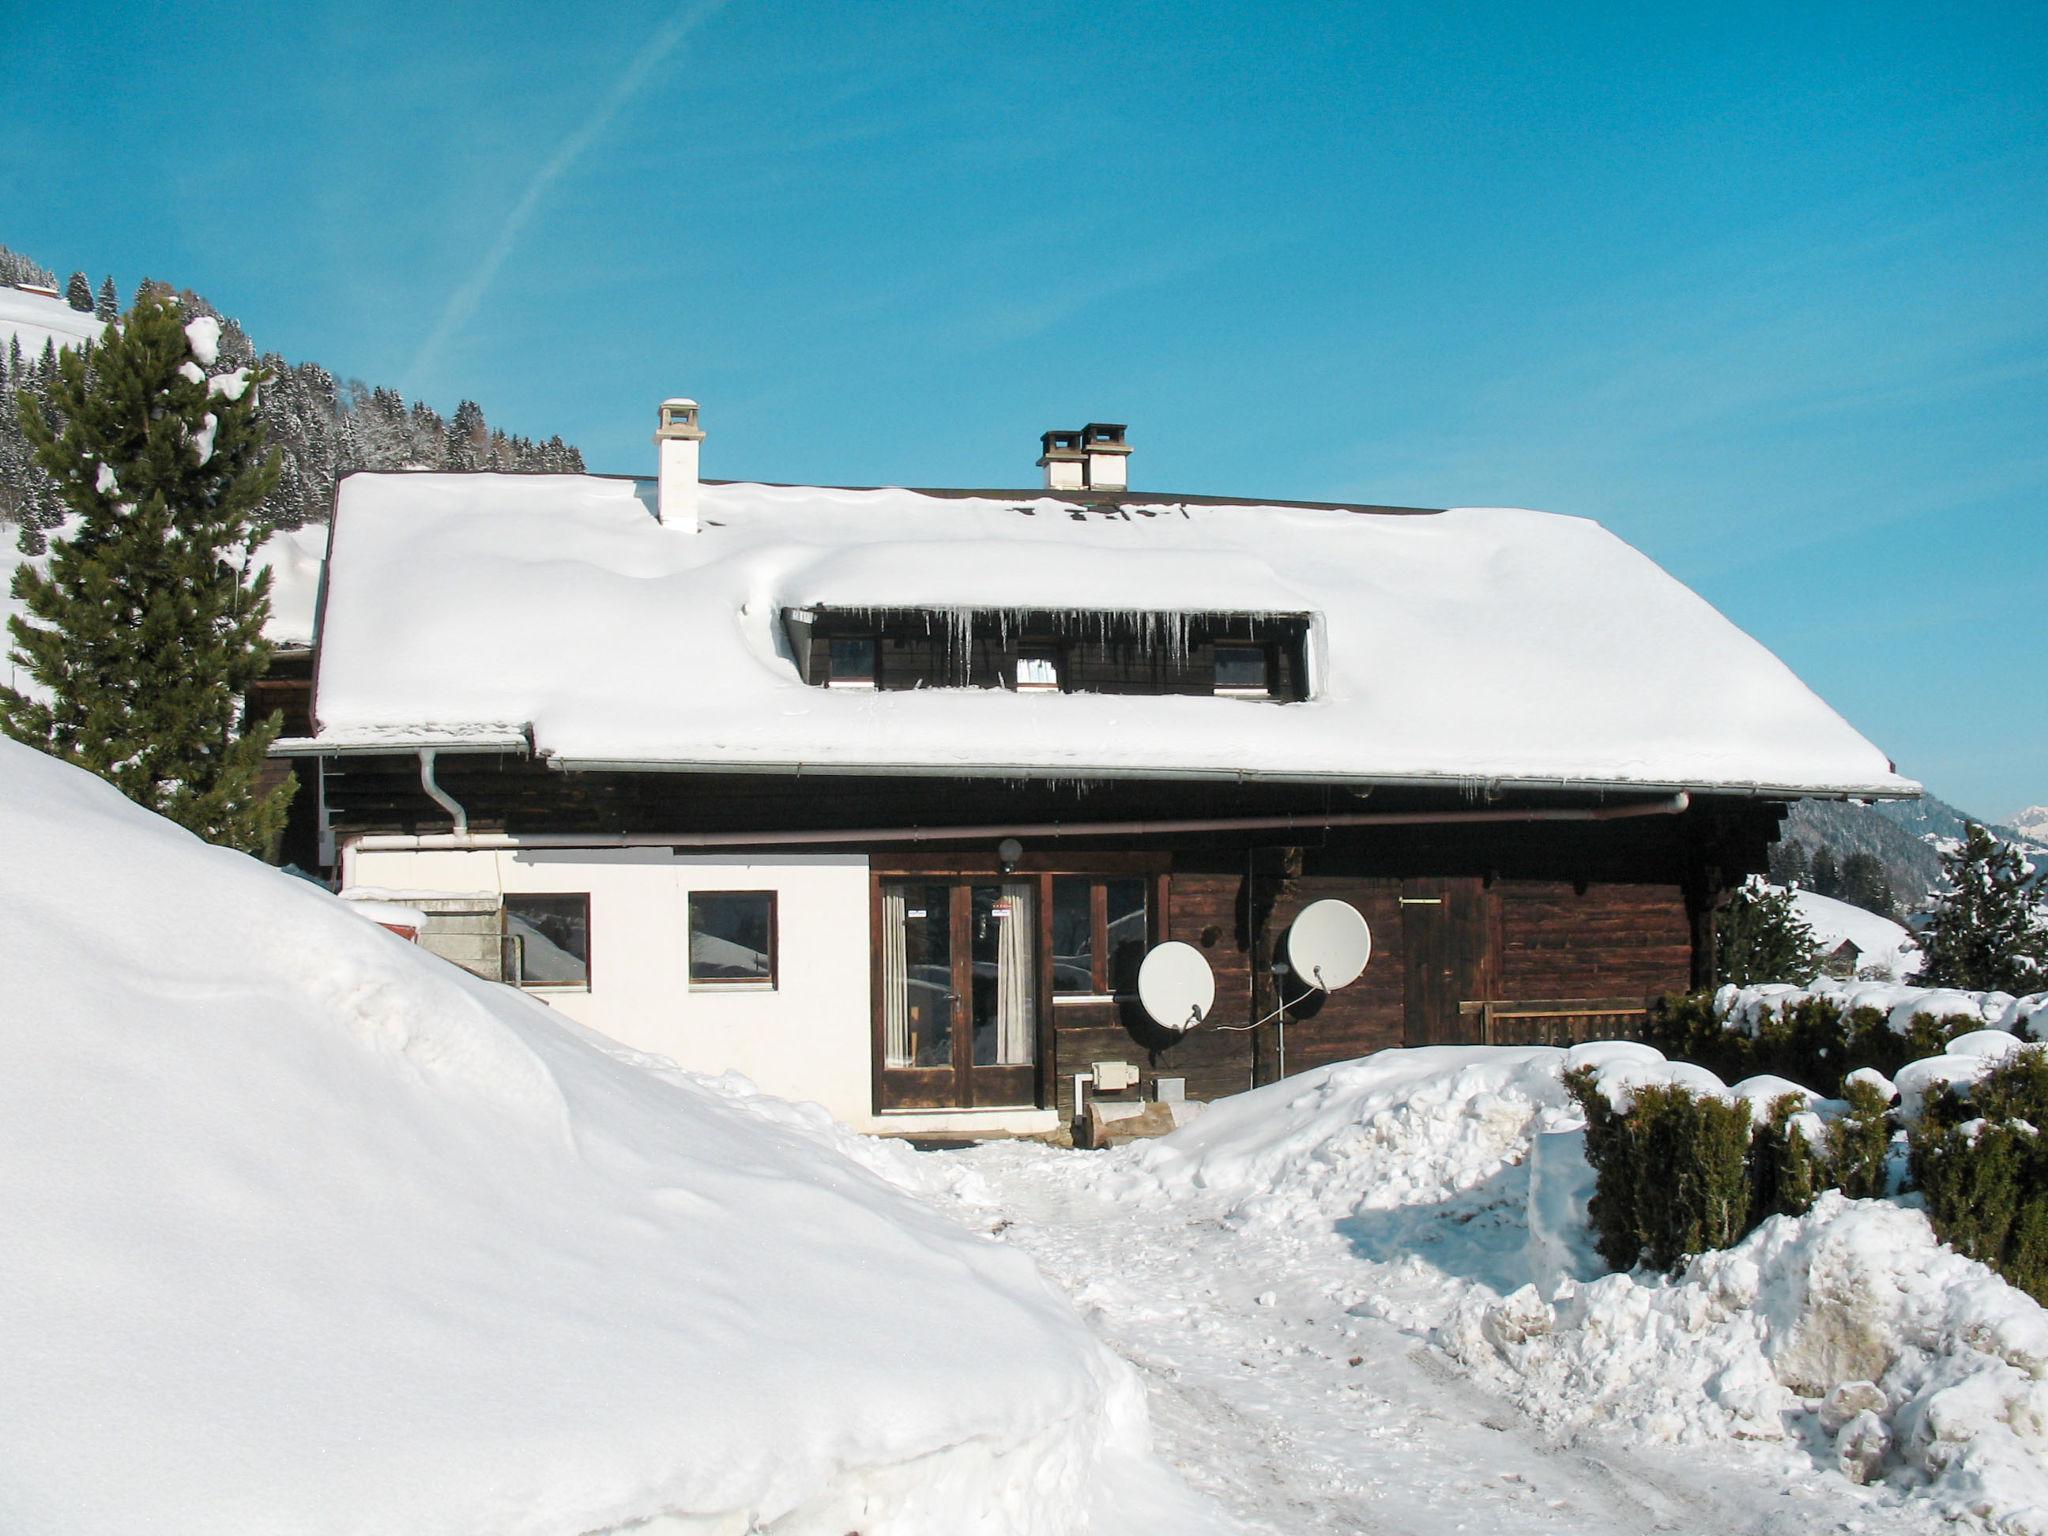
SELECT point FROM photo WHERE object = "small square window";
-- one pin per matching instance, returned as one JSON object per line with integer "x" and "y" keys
{"x": 732, "y": 939}
{"x": 852, "y": 663}
{"x": 547, "y": 940}
{"x": 1038, "y": 669}
{"x": 1242, "y": 671}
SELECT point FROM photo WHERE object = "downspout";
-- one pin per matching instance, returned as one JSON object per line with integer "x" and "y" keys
{"x": 441, "y": 797}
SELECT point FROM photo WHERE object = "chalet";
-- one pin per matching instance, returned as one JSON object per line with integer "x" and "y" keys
{"x": 880, "y": 796}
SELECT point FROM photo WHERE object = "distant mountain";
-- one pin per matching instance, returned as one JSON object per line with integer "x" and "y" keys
{"x": 2032, "y": 824}
{"x": 1905, "y": 836}
{"x": 321, "y": 427}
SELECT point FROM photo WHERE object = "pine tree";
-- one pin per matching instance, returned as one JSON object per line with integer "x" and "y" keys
{"x": 1790, "y": 865}
{"x": 1759, "y": 936}
{"x": 1985, "y": 934}
{"x": 148, "y": 629}
{"x": 1827, "y": 875}
{"x": 1865, "y": 884}
{"x": 78, "y": 292}
{"x": 109, "y": 305}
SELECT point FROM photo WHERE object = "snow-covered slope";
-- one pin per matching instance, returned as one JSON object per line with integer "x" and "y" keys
{"x": 309, "y": 1232}
{"x": 1474, "y": 643}
{"x": 1888, "y": 952}
{"x": 35, "y": 320}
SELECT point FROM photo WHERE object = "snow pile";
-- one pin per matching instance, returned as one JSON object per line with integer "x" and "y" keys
{"x": 619, "y": 638}
{"x": 1397, "y": 1129}
{"x": 1745, "y": 1008}
{"x": 1885, "y": 949}
{"x": 310, "y": 1232}
{"x": 1850, "y": 1329}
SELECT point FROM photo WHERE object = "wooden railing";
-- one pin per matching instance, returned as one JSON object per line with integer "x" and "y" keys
{"x": 1555, "y": 1021}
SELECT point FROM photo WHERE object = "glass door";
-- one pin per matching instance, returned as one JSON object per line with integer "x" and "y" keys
{"x": 958, "y": 993}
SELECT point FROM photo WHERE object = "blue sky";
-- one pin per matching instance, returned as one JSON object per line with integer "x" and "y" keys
{"x": 1762, "y": 289}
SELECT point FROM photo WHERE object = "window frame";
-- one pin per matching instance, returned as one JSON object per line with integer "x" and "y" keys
{"x": 772, "y": 982}
{"x": 1039, "y": 650}
{"x": 1264, "y": 650}
{"x": 1101, "y": 985}
{"x": 869, "y": 684}
{"x": 507, "y": 898}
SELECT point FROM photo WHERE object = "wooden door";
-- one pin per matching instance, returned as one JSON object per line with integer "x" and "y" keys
{"x": 1445, "y": 929}
{"x": 956, "y": 994}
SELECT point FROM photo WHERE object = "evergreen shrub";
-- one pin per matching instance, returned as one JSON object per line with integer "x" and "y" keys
{"x": 1812, "y": 1041}
{"x": 1680, "y": 1173}
{"x": 1672, "y": 1173}
{"x": 1981, "y": 1160}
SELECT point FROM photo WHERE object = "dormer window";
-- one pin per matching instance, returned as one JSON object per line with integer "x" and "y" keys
{"x": 1244, "y": 671}
{"x": 852, "y": 663}
{"x": 1038, "y": 669}
{"x": 1065, "y": 651}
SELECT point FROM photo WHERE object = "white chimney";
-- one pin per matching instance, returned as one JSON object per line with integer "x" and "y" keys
{"x": 676, "y": 440}
{"x": 1066, "y": 468}
{"x": 1108, "y": 456}
{"x": 1092, "y": 459}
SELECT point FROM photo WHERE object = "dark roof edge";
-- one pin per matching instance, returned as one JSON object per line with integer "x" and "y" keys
{"x": 961, "y": 493}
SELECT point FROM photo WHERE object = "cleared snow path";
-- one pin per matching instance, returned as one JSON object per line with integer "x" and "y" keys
{"x": 1300, "y": 1416}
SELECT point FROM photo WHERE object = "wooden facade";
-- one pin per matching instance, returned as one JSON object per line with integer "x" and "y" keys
{"x": 1503, "y": 932}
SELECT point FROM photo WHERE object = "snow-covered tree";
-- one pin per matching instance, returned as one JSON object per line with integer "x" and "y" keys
{"x": 108, "y": 305}
{"x": 1986, "y": 933}
{"x": 78, "y": 292}
{"x": 146, "y": 633}
{"x": 1759, "y": 936}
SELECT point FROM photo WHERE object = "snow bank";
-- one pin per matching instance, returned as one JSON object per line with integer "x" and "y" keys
{"x": 1849, "y": 1329}
{"x": 310, "y": 1232}
{"x": 560, "y": 602}
{"x": 1400, "y": 1128}
{"x": 1886, "y": 950}
{"x": 1744, "y": 1008}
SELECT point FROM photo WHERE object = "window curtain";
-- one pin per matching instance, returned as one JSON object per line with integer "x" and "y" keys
{"x": 895, "y": 981}
{"x": 1017, "y": 977}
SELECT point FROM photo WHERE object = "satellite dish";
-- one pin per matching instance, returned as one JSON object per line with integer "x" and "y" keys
{"x": 1329, "y": 944}
{"x": 1176, "y": 988}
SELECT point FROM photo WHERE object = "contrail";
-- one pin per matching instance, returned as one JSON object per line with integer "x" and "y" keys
{"x": 463, "y": 302}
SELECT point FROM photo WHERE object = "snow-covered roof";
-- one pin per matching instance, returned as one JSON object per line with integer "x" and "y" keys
{"x": 1469, "y": 644}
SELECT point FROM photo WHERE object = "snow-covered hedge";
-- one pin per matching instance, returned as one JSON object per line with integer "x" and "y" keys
{"x": 1820, "y": 1033}
{"x": 1683, "y": 1165}
{"x": 1981, "y": 1160}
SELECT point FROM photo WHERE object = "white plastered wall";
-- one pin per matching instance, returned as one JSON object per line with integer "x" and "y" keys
{"x": 808, "y": 1038}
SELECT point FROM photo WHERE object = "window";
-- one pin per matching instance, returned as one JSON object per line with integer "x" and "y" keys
{"x": 1038, "y": 669}
{"x": 1100, "y": 929}
{"x": 1242, "y": 671}
{"x": 732, "y": 939}
{"x": 547, "y": 940}
{"x": 852, "y": 663}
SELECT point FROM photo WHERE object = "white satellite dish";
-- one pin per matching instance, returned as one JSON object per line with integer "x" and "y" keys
{"x": 1176, "y": 988}
{"x": 1329, "y": 944}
